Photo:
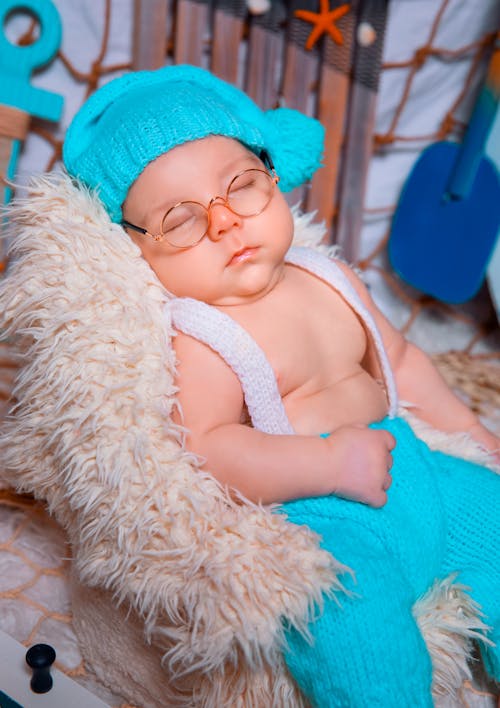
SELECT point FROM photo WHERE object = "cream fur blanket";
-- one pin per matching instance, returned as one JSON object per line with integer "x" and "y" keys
{"x": 214, "y": 581}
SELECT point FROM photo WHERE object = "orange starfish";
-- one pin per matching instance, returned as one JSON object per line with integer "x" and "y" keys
{"x": 324, "y": 21}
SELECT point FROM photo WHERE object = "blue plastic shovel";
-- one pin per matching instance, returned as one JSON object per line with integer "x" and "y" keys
{"x": 448, "y": 217}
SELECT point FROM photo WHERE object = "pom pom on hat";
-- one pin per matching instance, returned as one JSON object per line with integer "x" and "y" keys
{"x": 298, "y": 141}
{"x": 134, "y": 119}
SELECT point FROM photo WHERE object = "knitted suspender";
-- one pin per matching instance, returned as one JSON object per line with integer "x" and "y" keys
{"x": 242, "y": 353}
{"x": 326, "y": 269}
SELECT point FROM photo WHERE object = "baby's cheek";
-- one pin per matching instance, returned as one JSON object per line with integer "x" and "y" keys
{"x": 282, "y": 221}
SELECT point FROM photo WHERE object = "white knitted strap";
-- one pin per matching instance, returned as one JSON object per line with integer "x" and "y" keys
{"x": 240, "y": 351}
{"x": 326, "y": 269}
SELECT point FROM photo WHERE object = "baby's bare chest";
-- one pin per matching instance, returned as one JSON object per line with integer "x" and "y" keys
{"x": 310, "y": 335}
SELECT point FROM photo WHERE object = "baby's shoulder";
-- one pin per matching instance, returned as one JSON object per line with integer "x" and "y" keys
{"x": 320, "y": 264}
{"x": 332, "y": 270}
{"x": 313, "y": 269}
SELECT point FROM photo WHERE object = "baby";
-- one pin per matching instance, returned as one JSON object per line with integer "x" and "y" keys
{"x": 291, "y": 342}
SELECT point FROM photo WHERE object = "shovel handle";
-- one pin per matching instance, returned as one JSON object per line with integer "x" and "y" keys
{"x": 483, "y": 115}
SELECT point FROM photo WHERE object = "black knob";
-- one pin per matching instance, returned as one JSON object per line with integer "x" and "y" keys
{"x": 40, "y": 658}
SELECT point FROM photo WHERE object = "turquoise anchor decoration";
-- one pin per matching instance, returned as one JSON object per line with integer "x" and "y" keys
{"x": 17, "y": 63}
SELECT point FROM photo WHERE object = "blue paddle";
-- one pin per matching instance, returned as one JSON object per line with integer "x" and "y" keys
{"x": 448, "y": 217}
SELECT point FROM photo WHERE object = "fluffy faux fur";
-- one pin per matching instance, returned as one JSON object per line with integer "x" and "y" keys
{"x": 213, "y": 581}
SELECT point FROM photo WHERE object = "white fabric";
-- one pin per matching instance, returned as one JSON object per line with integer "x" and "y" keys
{"x": 242, "y": 353}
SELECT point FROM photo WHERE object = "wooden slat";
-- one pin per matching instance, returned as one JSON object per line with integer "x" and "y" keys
{"x": 191, "y": 32}
{"x": 5, "y": 155}
{"x": 7, "y": 145}
{"x": 359, "y": 143}
{"x": 264, "y": 52}
{"x": 332, "y": 101}
{"x": 300, "y": 72}
{"x": 357, "y": 153}
{"x": 300, "y": 75}
{"x": 299, "y": 86}
{"x": 265, "y": 56}
{"x": 333, "y": 96}
{"x": 150, "y": 32}
{"x": 300, "y": 78}
{"x": 228, "y": 29}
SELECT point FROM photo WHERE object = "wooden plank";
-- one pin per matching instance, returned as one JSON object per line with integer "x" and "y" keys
{"x": 357, "y": 153}
{"x": 6, "y": 147}
{"x": 300, "y": 78}
{"x": 150, "y": 32}
{"x": 301, "y": 66}
{"x": 228, "y": 30}
{"x": 265, "y": 56}
{"x": 359, "y": 139}
{"x": 192, "y": 32}
{"x": 333, "y": 95}
{"x": 300, "y": 75}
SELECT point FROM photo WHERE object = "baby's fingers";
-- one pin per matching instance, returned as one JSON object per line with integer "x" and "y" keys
{"x": 378, "y": 500}
{"x": 390, "y": 440}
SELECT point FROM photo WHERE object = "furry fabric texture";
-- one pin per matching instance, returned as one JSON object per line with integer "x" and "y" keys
{"x": 212, "y": 580}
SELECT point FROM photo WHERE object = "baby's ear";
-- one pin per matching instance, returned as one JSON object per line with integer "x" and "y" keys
{"x": 300, "y": 144}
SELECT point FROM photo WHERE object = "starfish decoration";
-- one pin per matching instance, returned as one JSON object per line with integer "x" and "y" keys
{"x": 324, "y": 22}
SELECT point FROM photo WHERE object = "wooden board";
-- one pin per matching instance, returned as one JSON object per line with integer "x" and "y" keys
{"x": 333, "y": 95}
{"x": 150, "y": 31}
{"x": 5, "y": 156}
{"x": 191, "y": 32}
{"x": 361, "y": 120}
{"x": 300, "y": 74}
{"x": 332, "y": 106}
{"x": 265, "y": 56}
{"x": 228, "y": 30}
{"x": 335, "y": 63}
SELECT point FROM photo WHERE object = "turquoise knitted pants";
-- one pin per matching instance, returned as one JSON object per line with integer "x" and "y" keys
{"x": 442, "y": 516}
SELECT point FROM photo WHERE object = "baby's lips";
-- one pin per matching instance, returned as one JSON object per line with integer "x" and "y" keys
{"x": 242, "y": 255}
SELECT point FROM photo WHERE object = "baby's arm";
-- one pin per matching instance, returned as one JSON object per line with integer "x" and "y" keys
{"x": 353, "y": 462}
{"x": 420, "y": 383}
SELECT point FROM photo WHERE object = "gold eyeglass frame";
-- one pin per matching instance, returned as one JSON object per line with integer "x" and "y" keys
{"x": 158, "y": 238}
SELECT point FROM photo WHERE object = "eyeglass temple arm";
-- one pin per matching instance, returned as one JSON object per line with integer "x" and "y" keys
{"x": 266, "y": 159}
{"x": 128, "y": 225}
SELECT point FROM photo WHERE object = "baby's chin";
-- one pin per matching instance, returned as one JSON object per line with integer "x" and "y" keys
{"x": 251, "y": 291}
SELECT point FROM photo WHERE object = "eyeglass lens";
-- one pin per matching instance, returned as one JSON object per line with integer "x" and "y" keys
{"x": 248, "y": 195}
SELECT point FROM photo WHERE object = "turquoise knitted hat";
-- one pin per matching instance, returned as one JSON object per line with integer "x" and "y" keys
{"x": 132, "y": 120}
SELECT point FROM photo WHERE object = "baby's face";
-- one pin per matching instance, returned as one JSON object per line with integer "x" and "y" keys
{"x": 241, "y": 258}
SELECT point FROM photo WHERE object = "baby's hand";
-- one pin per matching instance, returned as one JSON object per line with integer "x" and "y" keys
{"x": 362, "y": 463}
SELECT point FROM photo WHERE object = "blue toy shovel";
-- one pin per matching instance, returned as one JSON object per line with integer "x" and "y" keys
{"x": 18, "y": 99}
{"x": 448, "y": 217}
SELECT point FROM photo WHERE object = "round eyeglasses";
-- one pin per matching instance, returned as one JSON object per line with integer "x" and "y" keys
{"x": 186, "y": 223}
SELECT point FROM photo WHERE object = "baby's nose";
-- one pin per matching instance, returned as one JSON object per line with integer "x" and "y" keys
{"x": 221, "y": 220}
